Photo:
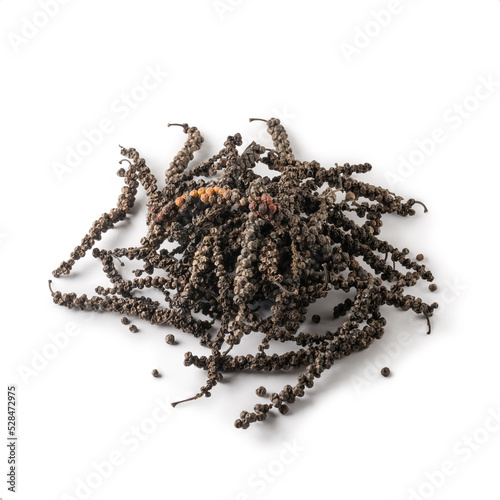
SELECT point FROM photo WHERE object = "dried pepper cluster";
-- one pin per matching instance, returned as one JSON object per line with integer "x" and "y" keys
{"x": 244, "y": 243}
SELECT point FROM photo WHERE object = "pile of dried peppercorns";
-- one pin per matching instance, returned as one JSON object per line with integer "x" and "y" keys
{"x": 250, "y": 254}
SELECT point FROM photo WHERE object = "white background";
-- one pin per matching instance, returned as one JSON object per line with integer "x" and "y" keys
{"x": 356, "y": 434}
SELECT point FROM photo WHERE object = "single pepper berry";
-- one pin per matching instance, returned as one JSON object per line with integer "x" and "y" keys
{"x": 261, "y": 391}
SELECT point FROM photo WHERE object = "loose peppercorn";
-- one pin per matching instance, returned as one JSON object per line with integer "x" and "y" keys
{"x": 133, "y": 329}
{"x": 155, "y": 373}
{"x": 385, "y": 371}
{"x": 170, "y": 339}
{"x": 433, "y": 287}
{"x": 316, "y": 318}
{"x": 261, "y": 391}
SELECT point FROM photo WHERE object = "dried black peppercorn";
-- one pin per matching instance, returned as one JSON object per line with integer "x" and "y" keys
{"x": 284, "y": 409}
{"x": 385, "y": 372}
{"x": 240, "y": 241}
{"x": 261, "y": 391}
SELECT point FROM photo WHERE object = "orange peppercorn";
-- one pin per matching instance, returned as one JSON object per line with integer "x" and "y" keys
{"x": 272, "y": 208}
{"x": 217, "y": 189}
{"x": 193, "y": 193}
{"x": 179, "y": 201}
{"x": 204, "y": 198}
{"x": 184, "y": 196}
{"x": 201, "y": 191}
{"x": 210, "y": 191}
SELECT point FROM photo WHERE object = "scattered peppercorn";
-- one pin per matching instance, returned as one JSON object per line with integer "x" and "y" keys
{"x": 155, "y": 373}
{"x": 433, "y": 287}
{"x": 133, "y": 329}
{"x": 316, "y": 318}
{"x": 420, "y": 257}
{"x": 125, "y": 321}
{"x": 170, "y": 339}
{"x": 261, "y": 391}
{"x": 386, "y": 372}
